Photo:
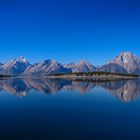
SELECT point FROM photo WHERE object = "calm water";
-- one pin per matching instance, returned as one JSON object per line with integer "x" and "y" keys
{"x": 42, "y": 109}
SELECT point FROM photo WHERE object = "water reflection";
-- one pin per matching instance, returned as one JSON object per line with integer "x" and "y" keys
{"x": 125, "y": 90}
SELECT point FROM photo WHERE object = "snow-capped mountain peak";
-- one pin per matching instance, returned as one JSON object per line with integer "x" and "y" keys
{"x": 21, "y": 59}
{"x": 15, "y": 66}
{"x": 128, "y": 61}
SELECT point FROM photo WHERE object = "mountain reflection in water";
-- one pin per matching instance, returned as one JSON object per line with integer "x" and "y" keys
{"x": 125, "y": 90}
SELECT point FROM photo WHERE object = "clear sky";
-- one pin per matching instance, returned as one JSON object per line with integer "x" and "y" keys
{"x": 69, "y": 30}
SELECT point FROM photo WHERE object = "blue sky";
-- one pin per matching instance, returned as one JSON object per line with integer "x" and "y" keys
{"x": 69, "y": 30}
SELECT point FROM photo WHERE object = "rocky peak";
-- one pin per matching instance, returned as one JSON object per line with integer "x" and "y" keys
{"x": 127, "y": 60}
{"x": 21, "y": 59}
{"x": 84, "y": 66}
{"x": 15, "y": 66}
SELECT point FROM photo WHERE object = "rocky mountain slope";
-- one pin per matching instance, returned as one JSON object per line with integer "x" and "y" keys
{"x": 45, "y": 68}
{"x": 82, "y": 66}
{"x": 125, "y": 62}
{"x": 15, "y": 66}
{"x": 129, "y": 61}
{"x": 112, "y": 67}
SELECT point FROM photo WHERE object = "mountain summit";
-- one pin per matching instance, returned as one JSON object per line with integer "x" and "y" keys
{"x": 46, "y": 67}
{"x": 82, "y": 66}
{"x": 129, "y": 61}
{"x": 15, "y": 66}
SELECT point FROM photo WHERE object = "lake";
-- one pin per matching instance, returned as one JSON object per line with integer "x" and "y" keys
{"x": 46, "y": 109}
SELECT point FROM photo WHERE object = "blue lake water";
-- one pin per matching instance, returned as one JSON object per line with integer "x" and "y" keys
{"x": 43, "y": 109}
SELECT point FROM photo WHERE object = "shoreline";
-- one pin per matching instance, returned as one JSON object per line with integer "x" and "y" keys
{"x": 92, "y": 78}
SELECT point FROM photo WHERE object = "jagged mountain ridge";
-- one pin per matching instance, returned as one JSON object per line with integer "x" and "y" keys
{"x": 129, "y": 61}
{"x": 15, "y": 66}
{"x": 46, "y": 67}
{"x": 82, "y": 66}
{"x": 125, "y": 62}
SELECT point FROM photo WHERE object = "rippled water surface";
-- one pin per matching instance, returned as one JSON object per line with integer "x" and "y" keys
{"x": 45, "y": 109}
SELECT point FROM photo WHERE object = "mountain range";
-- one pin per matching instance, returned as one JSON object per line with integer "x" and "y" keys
{"x": 125, "y": 62}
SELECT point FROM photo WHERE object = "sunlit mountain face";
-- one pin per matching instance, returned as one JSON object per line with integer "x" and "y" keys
{"x": 124, "y": 90}
{"x": 125, "y": 62}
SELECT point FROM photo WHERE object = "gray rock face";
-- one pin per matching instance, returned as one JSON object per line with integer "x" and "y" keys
{"x": 83, "y": 66}
{"x": 129, "y": 61}
{"x": 45, "y": 68}
{"x": 115, "y": 68}
{"x": 14, "y": 67}
{"x": 71, "y": 66}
